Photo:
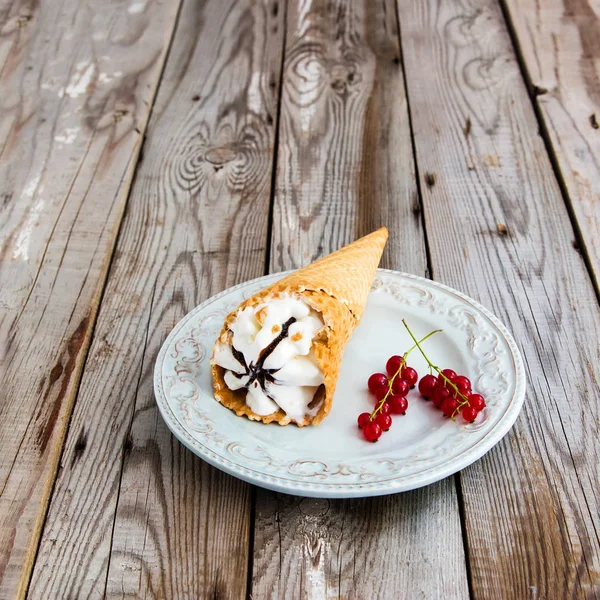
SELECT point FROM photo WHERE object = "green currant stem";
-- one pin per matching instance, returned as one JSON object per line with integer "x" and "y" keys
{"x": 417, "y": 344}
{"x": 402, "y": 365}
{"x": 438, "y": 371}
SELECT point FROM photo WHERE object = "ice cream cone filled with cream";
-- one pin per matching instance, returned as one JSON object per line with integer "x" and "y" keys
{"x": 279, "y": 353}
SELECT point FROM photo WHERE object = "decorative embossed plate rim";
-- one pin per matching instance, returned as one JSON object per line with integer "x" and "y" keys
{"x": 498, "y": 367}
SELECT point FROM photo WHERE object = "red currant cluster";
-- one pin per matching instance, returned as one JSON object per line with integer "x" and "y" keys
{"x": 390, "y": 393}
{"x": 449, "y": 392}
{"x": 452, "y": 394}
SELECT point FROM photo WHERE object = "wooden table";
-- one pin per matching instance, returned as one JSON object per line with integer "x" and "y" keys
{"x": 156, "y": 152}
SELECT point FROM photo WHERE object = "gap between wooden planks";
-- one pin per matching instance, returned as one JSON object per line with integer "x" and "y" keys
{"x": 498, "y": 229}
{"x": 77, "y": 84}
{"x": 134, "y": 512}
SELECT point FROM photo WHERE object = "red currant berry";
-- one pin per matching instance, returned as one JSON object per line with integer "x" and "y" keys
{"x": 384, "y": 421}
{"x": 449, "y": 406}
{"x": 469, "y": 413}
{"x": 385, "y": 409}
{"x": 372, "y": 432}
{"x": 363, "y": 419}
{"x": 377, "y": 381}
{"x": 398, "y": 404}
{"x": 379, "y": 386}
{"x": 449, "y": 374}
{"x": 393, "y": 364}
{"x": 400, "y": 387}
{"x": 410, "y": 376}
{"x": 477, "y": 402}
{"x": 438, "y": 395}
{"x": 462, "y": 383}
{"x": 455, "y": 394}
{"x": 448, "y": 385}
{"x": 381, "y": 393}
{"x": 427, "y": 385}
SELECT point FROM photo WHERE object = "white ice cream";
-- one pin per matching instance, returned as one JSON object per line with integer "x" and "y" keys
{"x": 290, "y": 376}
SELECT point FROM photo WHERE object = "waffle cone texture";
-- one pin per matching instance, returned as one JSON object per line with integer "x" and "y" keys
{"x": 337, "y": 286}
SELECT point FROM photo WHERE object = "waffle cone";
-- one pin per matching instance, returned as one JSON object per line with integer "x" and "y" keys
{"x": 337, "y": 286}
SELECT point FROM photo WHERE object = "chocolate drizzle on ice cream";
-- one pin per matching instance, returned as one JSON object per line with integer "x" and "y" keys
{"x": 267, "y": 352}
{"x": 258, "y": 372}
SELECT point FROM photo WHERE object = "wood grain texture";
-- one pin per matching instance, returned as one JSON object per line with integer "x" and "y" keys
{"x": 345, "y": 167}
{"x": 401, "y": 546}
{"x": 498, "y": 230}
{"x": 345, "y": 159}
{"x": 152, "y": 520}
{"x": 560, "y": 45}
{"x": 77, "y": 80}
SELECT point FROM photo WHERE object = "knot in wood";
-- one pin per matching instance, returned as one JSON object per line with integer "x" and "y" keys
{"x": 220, "y": 156}
{"x": 23, "y": 20}
{"x": 314, "y": 507}
{"x": 343, "y": 76}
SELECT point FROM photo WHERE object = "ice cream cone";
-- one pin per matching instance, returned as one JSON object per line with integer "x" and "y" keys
{"x": 337, "y": 286}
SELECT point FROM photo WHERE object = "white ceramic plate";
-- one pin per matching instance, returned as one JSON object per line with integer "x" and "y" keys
{"x": 333, "y": 460}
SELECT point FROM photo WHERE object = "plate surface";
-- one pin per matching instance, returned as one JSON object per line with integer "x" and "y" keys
{"x": 333, "y": 460}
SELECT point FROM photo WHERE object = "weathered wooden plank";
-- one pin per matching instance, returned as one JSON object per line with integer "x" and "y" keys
{"x": 498, "y": 229}
{"x": 345, "y": 167}
{"x": 560, "y": 47}
{"x": 406, "y": 545}
{"x": 134, "y": 514}
{"x": 77, "y": 82}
